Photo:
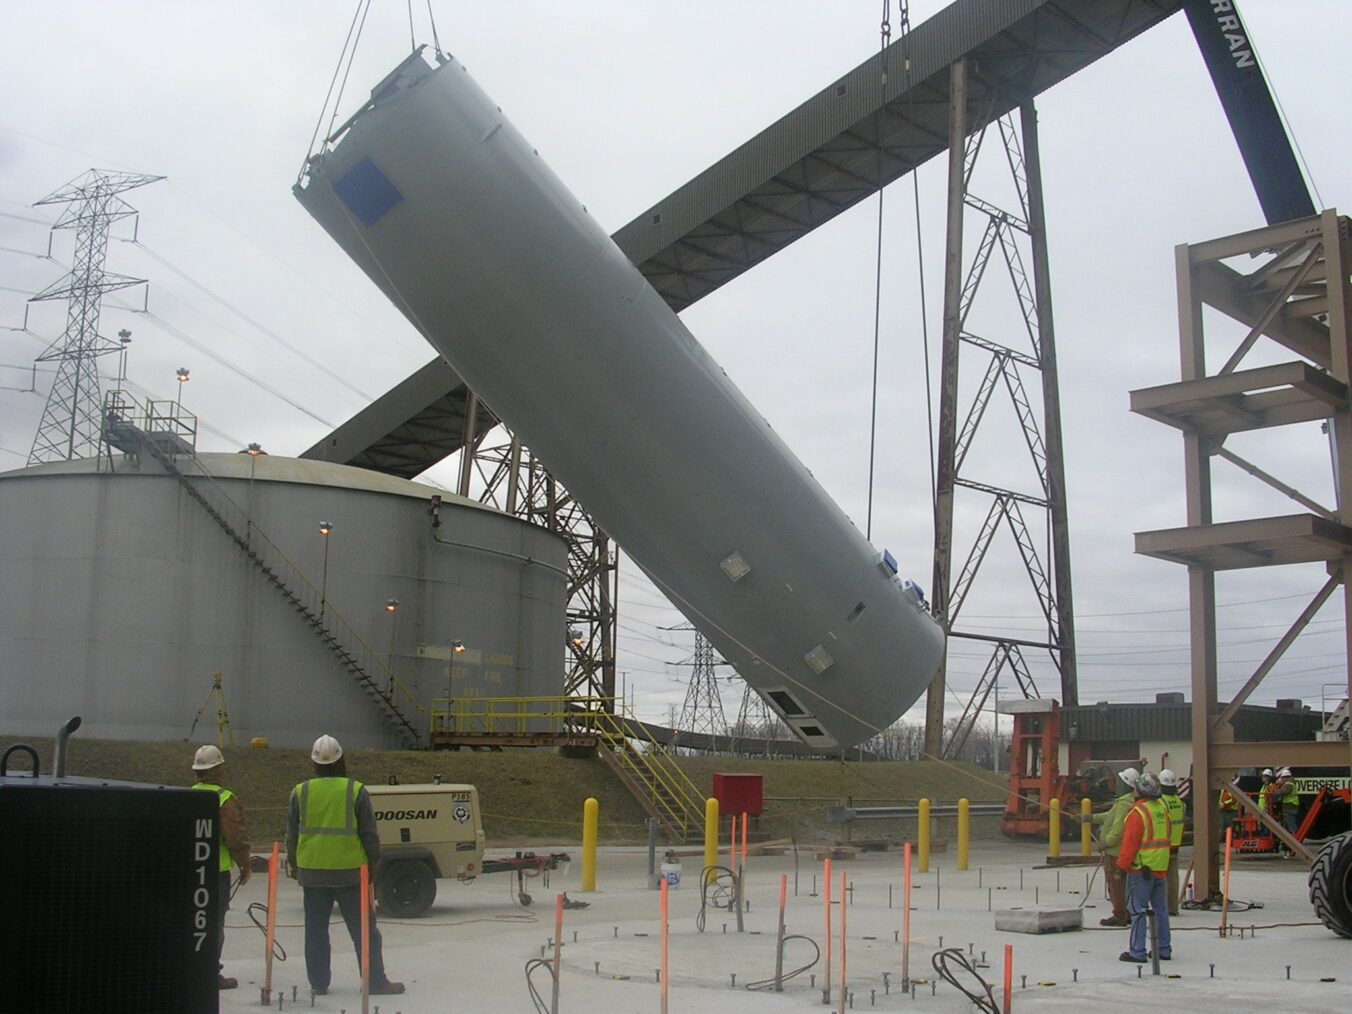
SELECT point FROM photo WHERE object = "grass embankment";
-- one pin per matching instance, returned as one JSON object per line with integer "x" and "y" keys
{"x": 537, "y": 796}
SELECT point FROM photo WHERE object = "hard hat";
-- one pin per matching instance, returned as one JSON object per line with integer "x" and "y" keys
{"x": 1129, "y": 776}
{"x": 1167, "y": 777}
{"x": 327, "y": 750}
{"x": 1148, "y": 786}
{"x": 1284, "y": 773}
{"x": 1267, "y": 773}
{"x": 206, "y": 758}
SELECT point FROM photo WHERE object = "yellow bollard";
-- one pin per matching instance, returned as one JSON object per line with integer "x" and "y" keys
{"x": 1086, "y": 827}
{"x": 1054, "y": 830}
{"x": 591, "y": 817}
{"x": 923, "y": 835}
{"x": 964, "y": 832}
{"x": 710, "y": 837}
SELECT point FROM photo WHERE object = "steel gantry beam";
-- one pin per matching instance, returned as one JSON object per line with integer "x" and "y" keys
{"x": 1292, "y": 269}
{"x": 1017, "y": 234}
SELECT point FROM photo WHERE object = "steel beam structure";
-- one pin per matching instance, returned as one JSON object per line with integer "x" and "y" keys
{"x": 1019, "y": 236}
{"x": 1291, "y": 285}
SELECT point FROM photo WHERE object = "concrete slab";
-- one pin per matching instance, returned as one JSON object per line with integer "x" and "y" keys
{"x": 1040, "y": 920}
{"x": 469, "y": 954}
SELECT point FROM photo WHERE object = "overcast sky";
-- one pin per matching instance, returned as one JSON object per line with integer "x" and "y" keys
{"x": 626, "y": 102}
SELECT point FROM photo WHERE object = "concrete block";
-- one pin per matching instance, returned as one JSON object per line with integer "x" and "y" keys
{"x": 1041, "y": 919}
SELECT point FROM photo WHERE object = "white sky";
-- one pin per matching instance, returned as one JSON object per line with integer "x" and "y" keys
{"x": 627, "y": 101}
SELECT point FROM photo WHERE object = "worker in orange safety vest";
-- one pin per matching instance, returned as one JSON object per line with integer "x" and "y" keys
{"x": 1147, "y": 837}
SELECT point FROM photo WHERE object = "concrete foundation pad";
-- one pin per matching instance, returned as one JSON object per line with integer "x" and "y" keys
{"x": 1043, "y": 919}
{"x": 469, "y": 953}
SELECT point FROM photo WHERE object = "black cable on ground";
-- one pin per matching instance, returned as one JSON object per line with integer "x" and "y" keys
{"x": 764, "y": 984}
{"x": 256, "y": 907}
{"x": 719, "y": 889}
{"x": 984, "y": 1001}
{"x": 536, "y": 997}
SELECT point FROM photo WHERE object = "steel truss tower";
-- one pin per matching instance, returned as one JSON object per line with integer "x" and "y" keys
{"x": 71, "y": 426}
{"x": 514, "y": 481}
{"x": 702, "y": 711}
{"x": 1019, "y": 236}
{"x": 1291, "y": 283}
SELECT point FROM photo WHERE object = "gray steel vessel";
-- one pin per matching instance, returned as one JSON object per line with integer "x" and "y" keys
{"x": 451, "y": 212}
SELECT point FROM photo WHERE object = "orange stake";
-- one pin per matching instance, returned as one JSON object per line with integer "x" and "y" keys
{"x": 271, "y": 933}
{"x": 744, "y": 822}
{"x": 365, "y": 939}
{"x": 662, "y": 936}
{"x": 558, "y": 950}
{"x": 906, "y": 919}
{"x": 1009, "y": 975}
{"x": 1225, "y": 894}
{"x": 826, "y": 905}
{"x": 842, "y": 942}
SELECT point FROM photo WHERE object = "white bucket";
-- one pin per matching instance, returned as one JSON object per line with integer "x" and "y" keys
{"x": 671, "y": 872}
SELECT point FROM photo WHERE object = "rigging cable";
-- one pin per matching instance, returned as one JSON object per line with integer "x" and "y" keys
{"x": 329, "y": 94}
{"x": 885, "y": 34}
{"x": 904, "y": 22}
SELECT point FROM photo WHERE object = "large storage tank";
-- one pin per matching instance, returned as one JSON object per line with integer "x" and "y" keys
{"x": 122, "y": 596}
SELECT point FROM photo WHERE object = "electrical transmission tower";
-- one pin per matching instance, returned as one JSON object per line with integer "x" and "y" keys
{"x": 755, "y": 721}
{"x": 703, "y": 708}
{"x": 71, "y": 420}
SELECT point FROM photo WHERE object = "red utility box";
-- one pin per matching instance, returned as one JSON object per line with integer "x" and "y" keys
{"x": 738, "y": 794}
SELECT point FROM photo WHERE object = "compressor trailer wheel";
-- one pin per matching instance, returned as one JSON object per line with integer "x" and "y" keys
{"x": 1331, "y": 885}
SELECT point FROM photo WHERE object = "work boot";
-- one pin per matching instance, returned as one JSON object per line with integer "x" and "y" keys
{"x": 1113, "y": 920}
{"x": 1128, "y": 956}
{"x": 226, "y": 982}
{"x": 386, "y": 988}
{"x": 319, "y": 990}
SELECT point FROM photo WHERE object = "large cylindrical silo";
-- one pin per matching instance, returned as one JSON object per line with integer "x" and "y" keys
{"x": 449, "y": 210}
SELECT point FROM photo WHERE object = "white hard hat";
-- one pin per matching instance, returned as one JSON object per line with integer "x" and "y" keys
{"x": 206, "y": 758}
{"x": 1268, "y": 772}
{"x": 1129, "y": 776}
{"x": 326, "y": 750}
{"x": 1284, "y": 773}
{"x": 1167, "y": 777}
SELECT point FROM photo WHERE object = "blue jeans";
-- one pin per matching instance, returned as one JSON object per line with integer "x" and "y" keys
{"x": 318, "y": 908}
{"x": 1147, "y": 892}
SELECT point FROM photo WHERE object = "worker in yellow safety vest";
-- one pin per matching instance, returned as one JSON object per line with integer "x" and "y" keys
{"x": 1110, "y": 837}
{"x": 1229, "y": 806}
{"x": 1178, "y": 812}
{"x": 1287, "y": 797}
{"x": 1147, "y": 838}
{"x": 232, "y": 840}
{"x": 330, "y": 835}
{"x": 1265, "y": 796}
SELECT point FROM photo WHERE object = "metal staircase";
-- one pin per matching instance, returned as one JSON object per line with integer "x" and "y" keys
{"x": 373, "y": 675}
{"x": 645, "y": 768}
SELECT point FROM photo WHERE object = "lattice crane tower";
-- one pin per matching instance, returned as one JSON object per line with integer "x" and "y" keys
{"x": 70, "y": 425}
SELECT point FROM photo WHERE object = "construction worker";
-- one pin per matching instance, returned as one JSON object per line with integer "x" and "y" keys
{"x": 1144, "y": 857}
{"x": 1286, "y": 803}
{"x": 1288, "y": 799}
{"x": 1110, "y": 837}
{"x": 1229, "y": 806}
{"x": 232, "y": 839}
{"x": 1265, "y": 792}
{"x": 1177, "y": 815}
{"x": 330, "y": 835}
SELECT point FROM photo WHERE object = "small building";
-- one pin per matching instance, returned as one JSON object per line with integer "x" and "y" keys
{"x": 1161, "y": 732}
